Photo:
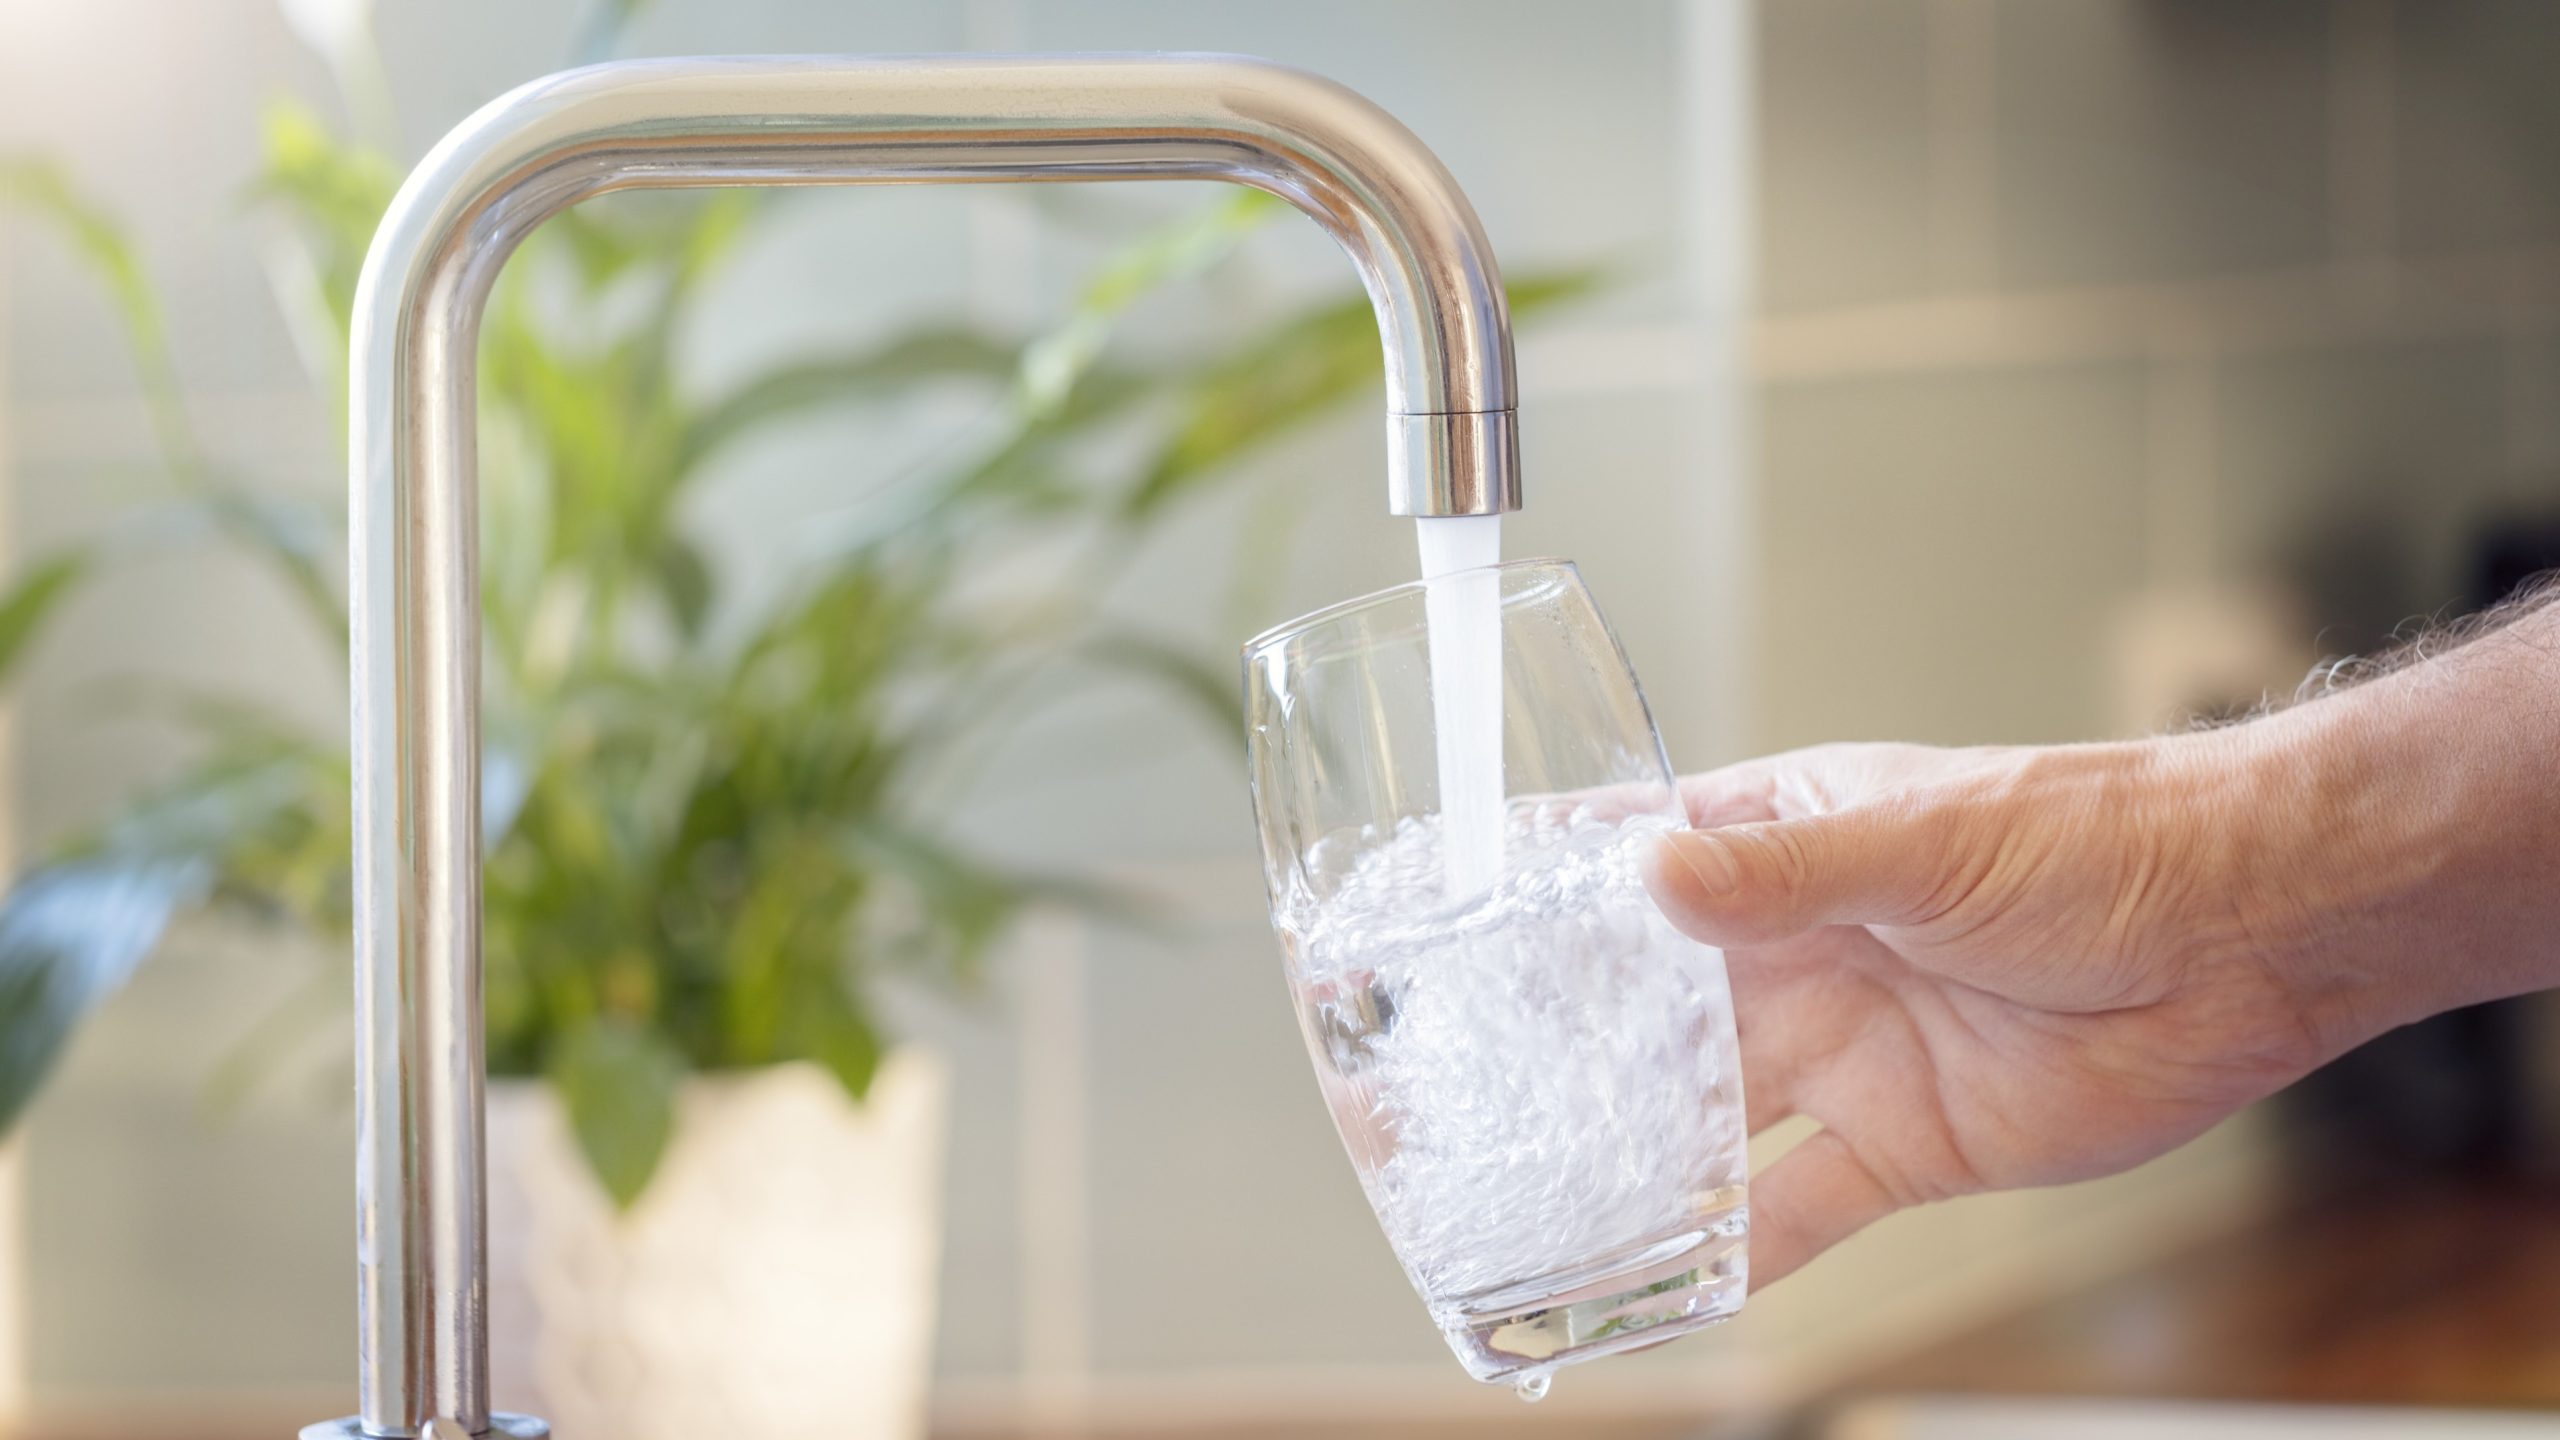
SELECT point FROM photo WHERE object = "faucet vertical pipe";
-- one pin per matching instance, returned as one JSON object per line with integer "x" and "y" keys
{"x": 422, "y": 1253}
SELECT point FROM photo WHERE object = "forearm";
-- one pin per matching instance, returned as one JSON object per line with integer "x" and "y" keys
{"x": 2404, "y": 853}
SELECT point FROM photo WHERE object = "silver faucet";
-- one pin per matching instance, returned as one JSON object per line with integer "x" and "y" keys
{"x": 422, "y": 1254}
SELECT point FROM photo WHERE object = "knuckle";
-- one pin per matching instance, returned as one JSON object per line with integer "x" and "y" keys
{"x": 1966, "y": 826}
{"x": 1786, "y": 858}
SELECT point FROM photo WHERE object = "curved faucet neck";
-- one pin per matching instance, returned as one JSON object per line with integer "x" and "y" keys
{"x": 414, "y": 601}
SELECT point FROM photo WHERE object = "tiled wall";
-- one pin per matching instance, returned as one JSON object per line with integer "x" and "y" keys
{"x": 2073, "y": 304}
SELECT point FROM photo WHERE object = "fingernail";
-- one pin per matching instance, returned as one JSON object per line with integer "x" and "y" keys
{"x": 1710, "y": 860}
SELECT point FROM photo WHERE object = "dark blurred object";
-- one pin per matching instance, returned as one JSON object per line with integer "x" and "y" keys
{"x": 2464, "y": 1091}
{"x": 2512, "y": 553}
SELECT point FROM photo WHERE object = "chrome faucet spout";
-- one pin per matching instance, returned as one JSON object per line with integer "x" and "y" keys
{"x": 413, "y": 582}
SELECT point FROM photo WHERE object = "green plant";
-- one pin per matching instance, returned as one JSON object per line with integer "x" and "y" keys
{"x": 710, "y": 807}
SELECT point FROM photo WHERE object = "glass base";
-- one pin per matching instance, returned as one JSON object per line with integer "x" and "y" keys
{"x": 1623, "y": 1301}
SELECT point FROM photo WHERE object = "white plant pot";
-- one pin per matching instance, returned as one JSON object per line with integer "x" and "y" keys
{"x": 775, "y": 1281}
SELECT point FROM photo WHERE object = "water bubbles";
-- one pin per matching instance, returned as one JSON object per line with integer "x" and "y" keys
{"x": 1538, "y": 1078}
{"x": 1532, "y": 1387}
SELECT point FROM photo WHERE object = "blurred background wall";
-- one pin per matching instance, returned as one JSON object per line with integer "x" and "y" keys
{"x": 1978, "y": 371}
{"x": 2124, "y": 306}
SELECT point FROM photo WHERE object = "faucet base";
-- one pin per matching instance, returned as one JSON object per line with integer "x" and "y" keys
{"x": 501, "y": 1427}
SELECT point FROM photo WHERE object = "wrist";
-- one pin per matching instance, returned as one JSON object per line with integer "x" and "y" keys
{"x": 2398, "y": 848}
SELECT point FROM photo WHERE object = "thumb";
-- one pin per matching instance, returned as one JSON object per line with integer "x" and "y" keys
{"x": 1752, "y": 884}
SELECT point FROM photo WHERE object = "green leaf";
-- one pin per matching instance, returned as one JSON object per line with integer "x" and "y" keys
{"x": 295, "y": 540}
{"x": 1288, "y": 375}
{"x": 685, "y": 578}
{"x": 602, "y": 250}
{"x": 337, "y": 189}
{"x": 74, "y": 929}
{"x": 618, "y": 1080}
{"x": 799, "y": 386}
{"x": 969, "y": 900}
{"x": 71, "y": 934}
{"x": 715, "y": 226}
{"x": 965, "y": 904}
{"x": 45, "y": 191}
{"x": 29, "y": 603}
{"x": 1209, "y": 688}
{"x": 1053, "y": 365}
{"x": 677, "y": 237}
{"x": 333, "y": 193}
{"x": 1543, "y": 290}
{"x": 42, "y": 189}
{"x": 828, "y": 1026}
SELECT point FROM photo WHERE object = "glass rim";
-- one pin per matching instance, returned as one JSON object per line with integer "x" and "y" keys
{"x": 1287, "y": 630}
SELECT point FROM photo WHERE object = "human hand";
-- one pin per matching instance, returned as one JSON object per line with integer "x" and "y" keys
{"x": 1980, "y": 969}
{"x": 1984, "y": 969}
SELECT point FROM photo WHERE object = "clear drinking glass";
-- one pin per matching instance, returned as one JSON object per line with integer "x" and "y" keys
{"x": 1535, "y": 1075}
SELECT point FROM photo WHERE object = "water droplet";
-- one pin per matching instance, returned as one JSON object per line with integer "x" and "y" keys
{"x": 1532, "y": 1388}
